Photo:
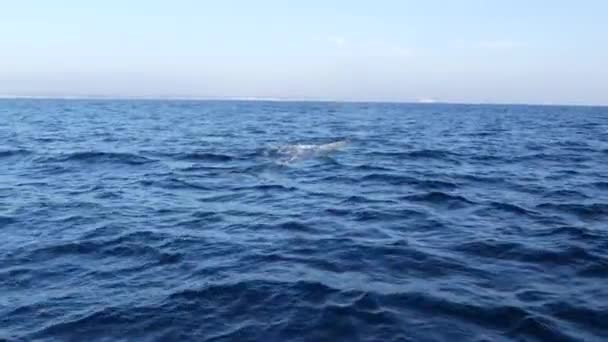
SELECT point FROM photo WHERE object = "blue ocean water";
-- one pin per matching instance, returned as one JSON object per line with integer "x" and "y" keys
{"x": 284, "y": 221}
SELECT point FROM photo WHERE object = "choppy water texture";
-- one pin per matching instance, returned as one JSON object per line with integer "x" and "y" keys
{"x": 254, "y": 221}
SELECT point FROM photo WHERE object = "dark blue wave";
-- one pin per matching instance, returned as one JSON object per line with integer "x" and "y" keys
{"x": 14, "y": 153}
{"x": 593, "y": 211}
{"x": 205, "y": 156}
{"x": 525, "y": 254}
{"x": 441, "y": 199}
{"x": 6, "y": 220}
{"x": 93, "y": 157}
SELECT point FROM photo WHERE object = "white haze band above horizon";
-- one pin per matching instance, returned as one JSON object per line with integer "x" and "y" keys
{"x": 470, "y": 51}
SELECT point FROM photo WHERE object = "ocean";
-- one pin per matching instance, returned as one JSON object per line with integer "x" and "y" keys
{"x": 157, "y": 220}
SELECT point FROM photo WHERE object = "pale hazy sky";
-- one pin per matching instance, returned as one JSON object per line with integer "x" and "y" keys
{"x": 532, "y": 51}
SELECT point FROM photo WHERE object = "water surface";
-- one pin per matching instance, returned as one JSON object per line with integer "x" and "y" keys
{"x": 271, "y": 221}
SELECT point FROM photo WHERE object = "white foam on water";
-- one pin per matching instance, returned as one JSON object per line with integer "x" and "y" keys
{"x": 294, "y": 152}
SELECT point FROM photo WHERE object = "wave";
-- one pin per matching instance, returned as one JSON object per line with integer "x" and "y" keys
{"x": 14, "y": 153}
{"x": 591, "y": 212}
{"x": 570, "y": 232}
{"x": 442, "y": 155}
{"x": 173, "y": 183}
{"x": 92, "y": 157}
{"x": 477, "y": 178}
{"x": 565, "y": 194}
{"x": 267, "y": 187}
{"x": 375, "y": 215}
{"x": 392, "y": 179}
{"x": 131, "y": 245}
{"x": 507, "y": 208}
{"x": 371, "y": 215}
{"x": 208, "y": 157}
{"x": 597, "y": 270}
{"x": 433, "y": 154}
{"x": 297, "y": 226}
{"x": 369, "y": 167}
{"x": 551, "y": 157}
{"x": 6, "y": 220}
{"x": 600, "y": 185}
{"x": 522, "y": 253}
{"x": 487, "y": 158}
{"x": 360, "y": 199}
{"x": 592, "y": 319}
{"x": 396, "y": 179}
{"x": 440, "y": 198}
{"x": 219, "y": 198}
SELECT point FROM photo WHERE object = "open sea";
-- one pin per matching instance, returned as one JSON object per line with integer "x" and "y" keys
{"x": 125, "y": 220}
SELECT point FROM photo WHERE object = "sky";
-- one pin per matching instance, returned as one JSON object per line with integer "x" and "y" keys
{"x": 474, "y": 51}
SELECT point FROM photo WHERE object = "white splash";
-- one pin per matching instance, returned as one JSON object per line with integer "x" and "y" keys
{"x": 291, "y": 153}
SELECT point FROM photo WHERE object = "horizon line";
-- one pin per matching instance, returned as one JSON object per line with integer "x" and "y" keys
{"x": 281, "y": 99}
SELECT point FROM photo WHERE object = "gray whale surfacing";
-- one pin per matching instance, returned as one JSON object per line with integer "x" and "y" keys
{"x": 296, "y": 152}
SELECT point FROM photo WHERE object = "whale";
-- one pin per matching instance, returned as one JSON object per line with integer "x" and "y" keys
{"x": 295, "y": 152}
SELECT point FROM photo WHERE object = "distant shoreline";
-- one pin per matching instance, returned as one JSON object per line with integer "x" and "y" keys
{"x": 286, "y": 100}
